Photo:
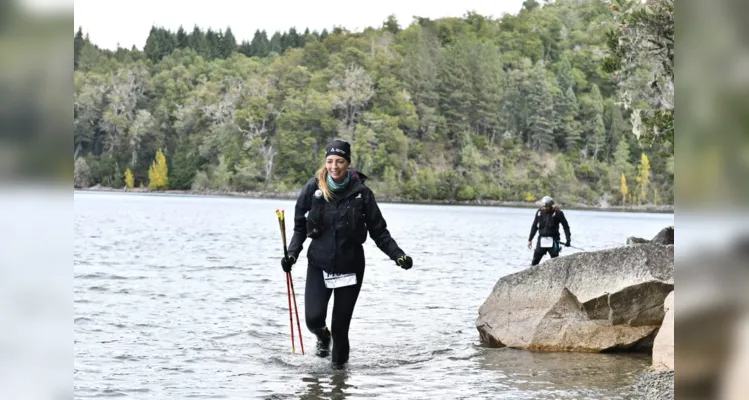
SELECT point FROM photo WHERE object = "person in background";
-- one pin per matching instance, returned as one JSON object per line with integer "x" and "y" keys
{"x": 337, "y": 211}
{"x": 546, "y": 223}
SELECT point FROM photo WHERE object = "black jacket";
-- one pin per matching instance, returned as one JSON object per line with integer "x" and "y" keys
{"x": 546, "y": 223}
{"x": 343, "y": 226}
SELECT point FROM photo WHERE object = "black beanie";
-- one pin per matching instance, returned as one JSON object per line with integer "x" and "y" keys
{"x": 339, "y": 148}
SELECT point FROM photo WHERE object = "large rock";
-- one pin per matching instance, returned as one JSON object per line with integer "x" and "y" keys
{"x": 663, "y": 347}
{"x": 607, "y": 300}
{"x": 664, "y": 237}
{"x": 636, "y": 240}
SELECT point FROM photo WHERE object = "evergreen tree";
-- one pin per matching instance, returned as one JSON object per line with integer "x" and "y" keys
{"x": 160, "y": 43}
{"x": 197, "y": 41}
{"x": 455, "y": 86}
{"x": 617, "y": 128}
{"x": 541, "y": 109}
{"x": 275, "y": 43}
{"x": 260, "y": 46}
{"x": 245, "y": 48}
{"x": 77, "y": 46}
{"x": 570, "y": 127}
{"x": 228, "y": 44}
{"x": 182, "y": 38}
{"x": 213, "y": 42}
{"x": 564, "y": 76}
{"x": 596, "y": 128}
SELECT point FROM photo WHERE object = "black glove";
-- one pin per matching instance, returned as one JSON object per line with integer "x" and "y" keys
{"x": 568, "y": 243}
{"x": 405, "y": 262}
{"x": 287, "y": 262}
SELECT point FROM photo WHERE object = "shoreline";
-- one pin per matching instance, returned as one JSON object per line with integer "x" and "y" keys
{"x": 664, "y": 209}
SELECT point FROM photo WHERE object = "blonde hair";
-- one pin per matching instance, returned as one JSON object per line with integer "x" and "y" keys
{"x": 322, "y": 182}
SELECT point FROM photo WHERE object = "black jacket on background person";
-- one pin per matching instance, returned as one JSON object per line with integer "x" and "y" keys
{"x": 546, "y": 223}
{"x": 339, "y": 228}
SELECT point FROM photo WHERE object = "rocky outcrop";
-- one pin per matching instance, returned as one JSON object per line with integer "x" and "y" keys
{"x": 664, "y": 237}
{"x": 635, "y": 240}
{"x": 663, "y": 347}
{"x": 609, "y": 300}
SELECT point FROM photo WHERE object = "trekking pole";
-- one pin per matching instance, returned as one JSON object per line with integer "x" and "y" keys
{"x": 296, "y": 310}
{"x": 291, "y": 320}
{"x": 290, "y": 285}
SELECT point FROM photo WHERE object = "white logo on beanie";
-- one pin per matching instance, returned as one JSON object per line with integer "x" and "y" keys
{"x": 334, "y": 150}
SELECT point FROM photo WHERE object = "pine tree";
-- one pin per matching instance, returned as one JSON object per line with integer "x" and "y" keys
{"x": 228, "y": 44}
{"x": 158, "y": 174}
{"x": 129, "y": 179}
{"x": 245, "y": 48}
{"x": 160, "y": 43}
{"x": 77, "y": 46}
{"x": 596, "y": 129}
{"x": 198, "y": 42}
{"x": 565, "y": 75}
{"x": 285, "y": 42}
{"x": 293, "y": 39}
{"x": 182, "y": 38}
{"x": 260, "y": 45}
{"x": 617, "y": 128}
{"x": 541, "y": 109}
{"x": 643, "y": 177}
{"x": 455, "y": 86}
{"x": 570, "y": 127}
{"x": 212, "y": 40}
{"x": 488, "y": 78}
{"x": 275, "y": 43}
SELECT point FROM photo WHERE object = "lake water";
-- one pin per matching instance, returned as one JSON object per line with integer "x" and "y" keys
{"x": 184, "y": 297}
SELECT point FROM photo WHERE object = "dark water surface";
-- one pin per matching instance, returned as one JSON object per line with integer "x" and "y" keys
{"x": 183, "y": 297}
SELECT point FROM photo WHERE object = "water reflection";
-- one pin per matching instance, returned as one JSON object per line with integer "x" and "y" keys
{"x": 326, "y": 386}
{"x": 563, "y": 373}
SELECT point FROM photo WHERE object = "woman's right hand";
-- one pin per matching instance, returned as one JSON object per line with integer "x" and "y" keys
{"x": 287, "y": 262}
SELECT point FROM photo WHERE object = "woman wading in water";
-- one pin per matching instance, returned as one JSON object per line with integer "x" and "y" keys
{"x": 336, "y": 210}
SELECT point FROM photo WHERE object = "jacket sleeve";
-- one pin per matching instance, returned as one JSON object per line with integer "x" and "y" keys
{"x": 565, "y": 225}
{"x": 378, "y": 228}
{"x": 534, "y": 227}
{"x": 303, "y": 204}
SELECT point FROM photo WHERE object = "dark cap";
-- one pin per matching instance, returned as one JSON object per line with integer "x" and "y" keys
{"x": 339, "y": 148}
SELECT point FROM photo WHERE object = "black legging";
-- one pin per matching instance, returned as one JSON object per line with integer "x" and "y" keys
{"x": 316, "y": 298}
{"x": 540, "y": 252}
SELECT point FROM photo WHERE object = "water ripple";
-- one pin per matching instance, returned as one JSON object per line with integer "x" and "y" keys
{"x": 183, "y": 297}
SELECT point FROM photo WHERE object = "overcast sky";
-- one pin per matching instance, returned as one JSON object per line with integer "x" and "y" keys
{"x": 128, "y": 22}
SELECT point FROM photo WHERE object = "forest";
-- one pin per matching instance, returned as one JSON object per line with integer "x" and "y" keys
{"x": 568, "y": 98}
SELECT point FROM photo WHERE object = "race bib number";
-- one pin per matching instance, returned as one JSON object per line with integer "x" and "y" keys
{"x": 546, "y": 242}
{"x": 334, "y": 281}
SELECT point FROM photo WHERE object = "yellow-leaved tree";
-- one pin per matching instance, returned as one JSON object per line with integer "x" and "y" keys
{"x": 643, "y": 177}
{"x": 158, "y": 173}
{"x": 624, "y": 189}
{"x": 129, "y": 179}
